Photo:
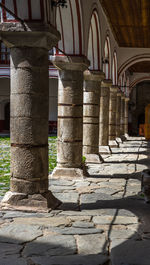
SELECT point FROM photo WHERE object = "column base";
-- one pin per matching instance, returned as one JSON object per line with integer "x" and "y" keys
{"x": 104, "y": 150}
{"x": 94, "y": 158}
{"x": 69, "y": 173}
{"x": 123, "y": 138}
{"x": 30, "y": 203}
{"x": 113, "y": 144}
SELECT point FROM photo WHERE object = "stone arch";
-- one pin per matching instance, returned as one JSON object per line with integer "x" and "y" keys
{"x": 133, "y": 60}
{"x": 69, "y": 24}
{"x": 107, "y": 58}
{"x": 94, "y": 42}
{"x": 138, "y": 80}
{"x": 114, "y": 69}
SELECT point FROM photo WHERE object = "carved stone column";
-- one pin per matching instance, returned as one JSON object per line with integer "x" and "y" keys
{"x": 118, "y": 117}
{"x": 122, "y": 122}
{"x": 29, "y": 120}
{"x": 92, "y": 85}
{"x": 70, "y": 116}
{"x": 104, "y": 117}
{"x": 126, "y": 116}
{"x": 112, "y": 116}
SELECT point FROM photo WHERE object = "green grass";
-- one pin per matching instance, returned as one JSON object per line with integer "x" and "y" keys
{"x": 5, "y": 160}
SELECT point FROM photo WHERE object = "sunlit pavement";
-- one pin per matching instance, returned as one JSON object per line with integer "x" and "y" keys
{"x": 103, "y": 219}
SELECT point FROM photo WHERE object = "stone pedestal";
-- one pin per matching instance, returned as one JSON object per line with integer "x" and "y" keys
{"x": 29, "y": 123}
{"x": 118, "y": 116}
{"x": 122, "y": 121}
{"x": 126, "y": 114}
{"x": 92, "y": 85}
{"x": 112, "y": 116}
{"x": 70, "y": 117}
{"x": 104, "y": 117}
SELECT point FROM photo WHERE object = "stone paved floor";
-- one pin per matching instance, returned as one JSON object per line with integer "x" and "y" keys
{"x": 103, "y": 220}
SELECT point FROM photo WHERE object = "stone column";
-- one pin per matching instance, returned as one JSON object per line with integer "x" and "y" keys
{"x": 70, "y": 116}
{"x": 92, "y": 85}
{"x": 112, "y": 116}
{"x": 122, "y": 122}
{"x": 29, "y": 122}
{"x": 104, "y": 117}
{"x": 118, "y": 116}
{"x": 126, "y": 116}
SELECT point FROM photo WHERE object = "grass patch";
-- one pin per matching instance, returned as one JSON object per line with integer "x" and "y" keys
{"x": 5, "y": 160}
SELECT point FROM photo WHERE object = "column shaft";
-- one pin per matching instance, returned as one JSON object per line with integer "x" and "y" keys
{"x": 104, "y": 117}
{"x": 118, "y": 114}
{"x": 92, "y": 85}
{"x": 112, "y": 116}
{"x": 122, "y": 123}
{"x": 29, "y": 130}
{"x": 126, "y": 115}
{"x": 70, "y": 119}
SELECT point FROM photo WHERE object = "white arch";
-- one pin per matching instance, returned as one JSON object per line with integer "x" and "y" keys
{"x": 94, "y": 43}
{"x": 107, "y": 59}
{"x": 114, "y": 70}
{"x": 133, "y": 60}
{"x": 69, "y": 24}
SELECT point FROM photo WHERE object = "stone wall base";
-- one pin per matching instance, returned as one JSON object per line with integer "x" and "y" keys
{"x": 69, "y": 173}
{"x": 113, "y": 143}
{"x": 94, "y": 158}
{"x": 30, "y": 203}
{"x": 104, "y": 150}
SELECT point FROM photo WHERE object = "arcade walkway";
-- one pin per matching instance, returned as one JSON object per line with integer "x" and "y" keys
{"x": 103, "y": 217}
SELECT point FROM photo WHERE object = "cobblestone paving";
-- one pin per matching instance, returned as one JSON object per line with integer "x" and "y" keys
{"x": 103, "y": 219}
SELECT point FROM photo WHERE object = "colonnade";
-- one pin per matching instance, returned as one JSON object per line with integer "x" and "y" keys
{"x": 92, "y": 114}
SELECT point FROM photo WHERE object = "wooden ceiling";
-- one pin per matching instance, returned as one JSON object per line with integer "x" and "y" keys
{"x": 140, "y": 67}
{"x": 130, "y": 21}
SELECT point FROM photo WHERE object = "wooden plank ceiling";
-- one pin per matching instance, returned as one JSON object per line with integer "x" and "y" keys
{"x": 130, "y": 21}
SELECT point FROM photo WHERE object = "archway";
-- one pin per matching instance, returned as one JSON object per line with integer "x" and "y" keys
{"x": 94, "y": 43}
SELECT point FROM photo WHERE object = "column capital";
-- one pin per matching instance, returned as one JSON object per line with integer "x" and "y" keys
{"x": 106, "y": 83}
{"x": 127, "y": 99}
{"x": 46, "y": 38}
{"x": 114, "y": 89}
{"x": 122, "y": 95}
{"x": 72, "y": 63}
{"x": 96, "y": 76}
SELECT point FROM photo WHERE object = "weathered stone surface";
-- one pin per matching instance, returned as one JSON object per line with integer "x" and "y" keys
{"x": 76, "y": 230}
{"x": 18, "y": 234}
{"x": 80, "y": 224}
{"x": 123, "y": 253}
{"x": 92, "y": 244}
{"x": 51, "y": 245}
{"x": 43, "y": 222}
{"x": 116, "y": 220}
{"x": 9, "y": 249}
{"x": 13, "y": 260}
{"x": 72, "y": 260}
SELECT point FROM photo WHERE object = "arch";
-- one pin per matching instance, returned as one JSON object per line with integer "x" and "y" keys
{"x": 133, "y": 60}
{"x": 107, "y": 59}
{"x": 139, "y": 80}
{"x": 94, "y": 42}
{"x": 114, "y": 69}
{"x": 69, "y": 24}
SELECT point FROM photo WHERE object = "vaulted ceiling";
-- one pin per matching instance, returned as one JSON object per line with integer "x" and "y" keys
{"x": 140, "y": 67}
{"x": 130, "y": 21}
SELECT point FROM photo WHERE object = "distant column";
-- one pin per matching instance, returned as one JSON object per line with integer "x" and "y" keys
{"x": 92, "y": 86}
{"x": 118, "y": 116}
{"x": 104, "y": 117}
{"x": 122, "y": 123}
{"x": 70, "y": 117}
{"x": 126, "y": 116}
{"x": 112, "y": 116}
